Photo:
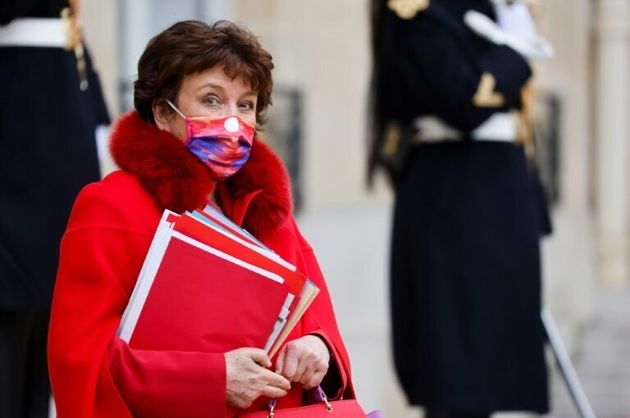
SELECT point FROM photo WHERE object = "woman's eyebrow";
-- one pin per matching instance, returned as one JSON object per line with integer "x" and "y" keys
{"x": 213, "y": 85}
{"x": 249, "y": 93}
{"x": 221, "y": 89}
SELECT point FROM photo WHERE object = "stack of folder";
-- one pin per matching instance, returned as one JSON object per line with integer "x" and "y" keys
{"x": 207, "y": 285}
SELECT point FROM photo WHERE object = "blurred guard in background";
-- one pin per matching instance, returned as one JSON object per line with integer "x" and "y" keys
{"x": 449, "y": 82}
{"x": 50, "y": 106}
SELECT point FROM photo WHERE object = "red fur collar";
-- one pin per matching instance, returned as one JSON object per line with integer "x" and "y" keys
{"x": 177, "y": 180}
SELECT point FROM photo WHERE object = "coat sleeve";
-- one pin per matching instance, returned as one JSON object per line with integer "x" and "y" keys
{"x": 95, "y": 374}
{"x": 434, "y": 65}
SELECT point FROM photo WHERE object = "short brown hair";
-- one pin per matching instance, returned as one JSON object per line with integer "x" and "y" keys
{"x": 191, "y": 46}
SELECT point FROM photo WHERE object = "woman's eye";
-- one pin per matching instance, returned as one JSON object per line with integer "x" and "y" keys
{"x": 211, "y": 100}
{"x": 248, "y": 106}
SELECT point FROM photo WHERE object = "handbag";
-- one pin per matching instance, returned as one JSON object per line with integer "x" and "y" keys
{"x": 322, "y": 408}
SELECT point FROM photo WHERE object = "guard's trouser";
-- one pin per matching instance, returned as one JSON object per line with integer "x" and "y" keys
{"x": 24, "y": 382}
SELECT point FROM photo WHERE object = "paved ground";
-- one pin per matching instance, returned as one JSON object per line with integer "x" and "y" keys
{"x": 602, "y": 361}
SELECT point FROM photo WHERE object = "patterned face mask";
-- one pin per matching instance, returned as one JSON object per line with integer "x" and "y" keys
{"x": 222, "y": 144}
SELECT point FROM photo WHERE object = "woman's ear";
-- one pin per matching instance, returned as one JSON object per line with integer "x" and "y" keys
{"x": 162, "y": 116}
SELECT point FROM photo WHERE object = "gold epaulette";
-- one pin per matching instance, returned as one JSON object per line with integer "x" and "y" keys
{"x": 486, "y": 95}
{"x": 407, "y": 9}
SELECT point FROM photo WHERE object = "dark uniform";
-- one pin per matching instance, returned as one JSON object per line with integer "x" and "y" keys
{"x": 465, "y": 262}
{"x": 47, "y": 153}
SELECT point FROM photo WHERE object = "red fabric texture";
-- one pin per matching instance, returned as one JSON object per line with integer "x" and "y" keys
{"x": 348, "y": 408}
{"x": 94, "y": 373}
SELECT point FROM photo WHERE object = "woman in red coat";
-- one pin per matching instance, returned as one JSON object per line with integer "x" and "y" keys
{"x": 200, "y": 92}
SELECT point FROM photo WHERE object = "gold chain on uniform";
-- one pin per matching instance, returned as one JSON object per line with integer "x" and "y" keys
{"x": 74, "y": 42}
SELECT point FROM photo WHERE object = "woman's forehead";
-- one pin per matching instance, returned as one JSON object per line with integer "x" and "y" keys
{"x": 216, "y": 78}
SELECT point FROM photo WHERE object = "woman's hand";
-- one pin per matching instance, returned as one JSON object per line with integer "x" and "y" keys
{"x": 304, "y": 360}
{"x": 247, "y": 377}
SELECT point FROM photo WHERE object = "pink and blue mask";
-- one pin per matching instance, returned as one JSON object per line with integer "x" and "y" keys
{"x": 222, "y": 144}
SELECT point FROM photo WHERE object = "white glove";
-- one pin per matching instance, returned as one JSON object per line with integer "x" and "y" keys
{"x": 515, "y": 29}
{"x": 514, "y": 18}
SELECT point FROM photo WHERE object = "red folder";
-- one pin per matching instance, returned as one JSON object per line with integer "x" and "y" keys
{"x": 302, "y": 288}
{"x": 193, "y": 228}
{"x": 199, "y": 301}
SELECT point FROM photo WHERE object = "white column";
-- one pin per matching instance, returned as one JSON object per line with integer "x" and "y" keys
{"x": 612, "y": 138}
{"x": 135, "y": 31}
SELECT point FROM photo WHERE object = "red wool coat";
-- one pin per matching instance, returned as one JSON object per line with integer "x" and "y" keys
{"x": 93, "y": 372}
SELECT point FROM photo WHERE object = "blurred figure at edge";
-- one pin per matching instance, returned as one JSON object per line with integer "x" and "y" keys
{"x": 448, "y": 127}
{"x": 50, "y": 106}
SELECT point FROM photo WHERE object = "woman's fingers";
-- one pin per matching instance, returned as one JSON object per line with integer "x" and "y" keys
{"x": 304, "y": 360}
{"x": 259, "y": 356}
{"x": 275, "y": 380}
{"x": 273, "y": 392}
{"x": 314, "y": 380}
{"x": 304, "y": 373}
{"x": 291, "y": 362}
{"x": 247, "y": 378}
{"x": 280, "y": 360}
